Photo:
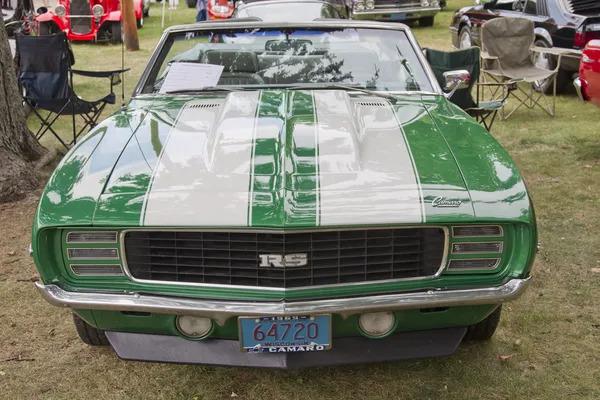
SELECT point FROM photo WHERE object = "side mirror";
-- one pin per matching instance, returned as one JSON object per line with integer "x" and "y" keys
{"x": 454, "y": 80}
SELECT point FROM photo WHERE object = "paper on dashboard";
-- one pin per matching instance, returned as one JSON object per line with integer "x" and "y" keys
{"x": 182, "y": 76}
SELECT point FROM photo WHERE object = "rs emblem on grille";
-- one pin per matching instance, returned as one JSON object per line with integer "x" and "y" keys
{"x": 283, "y": 260}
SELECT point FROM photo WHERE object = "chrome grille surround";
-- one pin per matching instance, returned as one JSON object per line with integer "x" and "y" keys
{"x": 436, "y": 269}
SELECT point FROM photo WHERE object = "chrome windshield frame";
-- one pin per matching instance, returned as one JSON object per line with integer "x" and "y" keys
{"x": 257, "y": 24}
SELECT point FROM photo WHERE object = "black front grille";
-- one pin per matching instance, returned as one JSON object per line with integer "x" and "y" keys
{"x": 80, "y": 24}
{"x": 333, "y": 257}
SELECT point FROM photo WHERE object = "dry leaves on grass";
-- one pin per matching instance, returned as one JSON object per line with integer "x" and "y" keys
{"x": 595, "y": 270}
{"x": 504, "y": 358}
{"x": 11, "y": 253}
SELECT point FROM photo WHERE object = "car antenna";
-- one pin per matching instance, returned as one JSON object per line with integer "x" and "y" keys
{"x": 122, "y": 68}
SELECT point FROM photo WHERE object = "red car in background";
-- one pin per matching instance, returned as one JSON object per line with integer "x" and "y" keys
{"x": 588, "y": 83}
{"x": 87, "y": 20}
{"x": 216, "y": 9}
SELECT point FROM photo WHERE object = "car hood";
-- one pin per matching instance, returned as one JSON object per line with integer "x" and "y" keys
{"x": 285, "y": 159}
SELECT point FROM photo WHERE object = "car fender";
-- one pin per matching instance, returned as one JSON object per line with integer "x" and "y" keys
{"x": 138, "y": 7}
{"x": 544, "y": 34}
{"x": 51, "y": 17}
{"x": 114, "y": 16}
{"x": 464, "y": 20}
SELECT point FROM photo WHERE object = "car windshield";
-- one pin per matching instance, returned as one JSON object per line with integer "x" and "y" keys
{"x": 374, "y": 59}
{"x": 288, "y": 11}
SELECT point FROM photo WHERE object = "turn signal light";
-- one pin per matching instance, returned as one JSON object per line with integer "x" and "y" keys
{"x": 97, "y": 269}
{"x": 476, "y": 248}
{"x": 473, "y": 264}
{"x": 476, "y": 231}
{"x": 92, "y": 237}
{"x": 93, "y": 254}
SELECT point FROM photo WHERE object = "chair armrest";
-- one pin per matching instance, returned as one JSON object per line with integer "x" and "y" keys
{"x": 486, "y": 56}
{"x": 510, "y": 84}
{"x": 99, "y": 74}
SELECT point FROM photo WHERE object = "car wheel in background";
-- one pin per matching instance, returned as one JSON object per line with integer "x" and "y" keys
{"x": 147, "y": 13}
{"x": 44, "y": 29}
{"x": 88, "y": 334}
{"x": 116, "y": 36}
{"x": 547, "y": 61}
{"x": 140, "y": 22}
{"x": 485, "y": 329}
{"x": 191, "y": 3}
{"x": 465, "y": 40}
{"x": 426, "y": 21}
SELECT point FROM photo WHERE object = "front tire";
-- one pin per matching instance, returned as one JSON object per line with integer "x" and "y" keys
{"x": 546, "y": 61}
{"x": 88, "y": 334}
{"x": 485, "y": 329}
{"x": 192, "y": 3}
{"x": 426, "y": 22}
{"x": 44, "y": 29}
{"x": 115, "y": 33}
{"x": 140, "y": 22}
{"x": 465, "y": 39}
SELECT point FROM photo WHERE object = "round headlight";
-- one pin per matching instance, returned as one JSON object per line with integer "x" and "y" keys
{"x": 60, "y": 10}
{"x": 194, "y": 327}
{"x": 98, "y": 10}
{"x": 377, "y": 324}
{"x": 359, "y": 6}
{"x": 369, "y": 4}
{"x": 424, "y": 3}
{"x": 434, "y": 3}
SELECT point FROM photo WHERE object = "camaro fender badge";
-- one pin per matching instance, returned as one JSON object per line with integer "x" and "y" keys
{"x": 282, "y": 260}
{"x": 441, "y": 202}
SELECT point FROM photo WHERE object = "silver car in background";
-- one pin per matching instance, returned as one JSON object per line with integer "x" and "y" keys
{"x": 423, "y": 11}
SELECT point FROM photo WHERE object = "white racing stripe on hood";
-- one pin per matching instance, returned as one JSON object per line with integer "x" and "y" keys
{"x": 366, "y": 172}
{"x": 203, "y": 174}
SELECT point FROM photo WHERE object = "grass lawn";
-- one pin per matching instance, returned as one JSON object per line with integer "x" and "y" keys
{"x": 547, "y": 345}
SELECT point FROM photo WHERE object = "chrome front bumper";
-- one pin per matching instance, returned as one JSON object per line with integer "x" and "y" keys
{"x": 388, "y": 14}
{"x": 221, "y": 310}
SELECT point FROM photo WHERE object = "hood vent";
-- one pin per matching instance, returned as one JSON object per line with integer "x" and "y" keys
{"x": 372, "y": 104}
{"x": 204, "y": 105}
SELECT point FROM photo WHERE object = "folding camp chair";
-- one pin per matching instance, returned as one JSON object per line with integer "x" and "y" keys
{"x": 46, "y": 77}
{"x": 508, "y": 46}
{"x": 469, "y": 60}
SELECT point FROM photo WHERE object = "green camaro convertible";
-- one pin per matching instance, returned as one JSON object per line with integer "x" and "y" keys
{"x": 285, "y": 195}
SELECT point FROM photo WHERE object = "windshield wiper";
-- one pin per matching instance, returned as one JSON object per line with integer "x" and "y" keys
{"x": 356, "y": 88}
{"x": 206, "y": 89}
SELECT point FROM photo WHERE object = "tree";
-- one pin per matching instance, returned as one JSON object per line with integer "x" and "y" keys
{"x": 129, "y": 25}
{"x": 18, "y": 147}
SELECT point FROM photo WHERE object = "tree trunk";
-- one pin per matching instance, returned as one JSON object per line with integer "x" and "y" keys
{"x": 18, "y": 147}
{"x": 130, "y": 26}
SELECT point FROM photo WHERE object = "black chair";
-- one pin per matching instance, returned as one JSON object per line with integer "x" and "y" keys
{"x": 46, "y": 77}
{"x": 469, "y": 59}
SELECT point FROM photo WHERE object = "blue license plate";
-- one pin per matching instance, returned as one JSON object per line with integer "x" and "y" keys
{"x": 398, "y": 16}
{"x": 285, "y": 334}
